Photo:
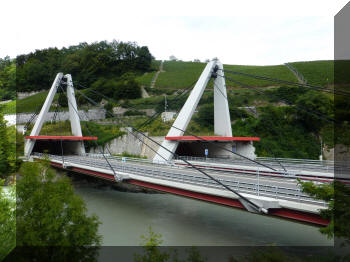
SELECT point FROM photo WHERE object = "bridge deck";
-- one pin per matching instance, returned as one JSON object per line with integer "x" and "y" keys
{"x": 281, "y": 193}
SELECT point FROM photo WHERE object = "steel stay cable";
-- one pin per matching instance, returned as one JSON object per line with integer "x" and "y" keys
{"x": 322, "y": 89}
{"x": 217, "y": 146}
{"x": 113, "y": 116}
{"x": 61, "y": 140}
{"x": 212, "y": 142}
{"x": 32, "y": 117}
{"x": 94, "y": 103}
{"x": 216, "y": 88}
{"x": 155, "y": 115}
{"x": 114, "y": 173}
{"x": 201, "y": 171}
{"x": 313, "y": 112}
{"x": 178, "y": 96}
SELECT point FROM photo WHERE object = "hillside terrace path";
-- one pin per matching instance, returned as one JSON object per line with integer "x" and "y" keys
{"x": 157, "y": 74}
{"x": 298, "y": 75}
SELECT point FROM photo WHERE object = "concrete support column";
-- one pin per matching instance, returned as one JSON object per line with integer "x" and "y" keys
{"x": 222, "y": 121}
{"x": 185, "y": 114}
{"x": 41, "y": 117}
{"x": 73, "y": 114}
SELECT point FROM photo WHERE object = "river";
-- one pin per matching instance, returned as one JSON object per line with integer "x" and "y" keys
{"x": 186, "y": 222}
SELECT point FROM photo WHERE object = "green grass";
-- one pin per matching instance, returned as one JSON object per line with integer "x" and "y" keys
{"x": 159, "y": 128}
{"x": 31, "y": 103}
{"x": 145, "y": 103}
{"x": 53, "y": 129}
{"x": 180, "y": 74}
{"x": 320, "y": 73}
{"x": 104, "y": 133}
{"x": 8, "y": 108}
{"x": 126, "y": 154}
{"x": 275, "y": 71}
{"x": 155, "y": 65}
{"x": 147, "y": 77}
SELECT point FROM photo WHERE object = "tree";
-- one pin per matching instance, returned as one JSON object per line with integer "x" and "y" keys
{"x": 153, "y": 253}
{"x": 85, "y": 62}
{"x": 127, "y": 88}
{"x": 7, "y": 79}
{"x": 337, "y": 195}
{"x": 49, "y": 213}
{"x": 144, "y": 59}
{"x": 205, "y": 115}
{"x": 314, "y": 102}
{"x": 109, "y": 109}
{"x": 172, "y": 58}
{"x": 4, "y": 148}
{"x": 7, "y": 221}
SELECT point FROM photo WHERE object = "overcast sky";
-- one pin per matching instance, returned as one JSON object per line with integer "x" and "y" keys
{"x": 251, "y": 32}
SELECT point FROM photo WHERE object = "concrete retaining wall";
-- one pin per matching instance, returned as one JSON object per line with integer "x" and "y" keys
{"x": 130, "y": 144}
{"x": 21, "y": 95}
{"x": 91, "y": 114}
{"x": 135, "y": 146}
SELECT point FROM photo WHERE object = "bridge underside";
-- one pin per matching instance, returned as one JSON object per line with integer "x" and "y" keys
{"x": 56, "y": 147}
{"x": 220, "y": 149}
{"x": 278, "y": 212}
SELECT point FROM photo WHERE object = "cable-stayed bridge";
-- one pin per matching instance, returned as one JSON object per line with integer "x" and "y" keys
{"x": 258, "y": 185}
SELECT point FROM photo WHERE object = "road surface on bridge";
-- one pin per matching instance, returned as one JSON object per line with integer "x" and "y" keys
{"x": 275, "y": 187}
{"x": 280, "y": 196}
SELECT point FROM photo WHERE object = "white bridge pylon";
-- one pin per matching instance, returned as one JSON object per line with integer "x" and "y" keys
{"x": 73, "y": 114}
{"x": 222, "y": 121}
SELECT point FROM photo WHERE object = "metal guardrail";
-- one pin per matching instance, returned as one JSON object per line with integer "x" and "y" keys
{"x": 179, "y": 174}
{"x": 289, "y": 164}
{"x": 307, "y": 164}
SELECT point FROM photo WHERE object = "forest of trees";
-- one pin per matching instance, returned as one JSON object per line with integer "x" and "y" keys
{"x": 7, "y": 78}
{"x": 8, "y": 161}
{"x": 108, "y": 66}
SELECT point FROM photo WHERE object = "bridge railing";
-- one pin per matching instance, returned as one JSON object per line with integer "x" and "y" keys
{"x": 326, "y": 165}
{"x": 174, "y": 174}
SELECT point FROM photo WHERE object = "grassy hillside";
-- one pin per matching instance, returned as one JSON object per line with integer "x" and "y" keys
{"x": 104, "y": 133}
{"x": 286, "y": 131}
{"x": 319, "y": 73}
{"x": 30, "y": 104}
{"x": 147, "y": 77}
{"x": 180, "y": 74}
{"x": 8, "y": 108}
{"x": 275, "y": 71}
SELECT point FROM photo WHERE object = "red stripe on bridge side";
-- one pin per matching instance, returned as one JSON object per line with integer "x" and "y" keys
{"x": 86, "y": 172}
{"x": 61, "y": 137}
{"x": 298, "y": 215}
{"x": 283, "y": 212}
{"x": 210, "y": 138}
{"x": 187, "y": 193}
